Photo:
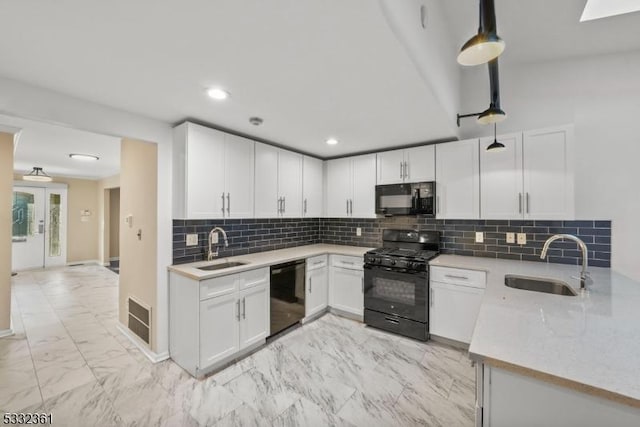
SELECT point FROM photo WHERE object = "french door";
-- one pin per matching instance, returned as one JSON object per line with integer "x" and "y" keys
{"x": 39, "y": 227}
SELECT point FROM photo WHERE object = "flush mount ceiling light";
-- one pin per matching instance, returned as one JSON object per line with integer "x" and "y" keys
{"x": 84, "y": 157}
{"x": 486, "y": 45}
{"x": 332, "y": 141}
{"x": 495, "y": 146}
{"x": 218, "y": 94}
{"x": 37, "y": 174}
{"x": 596, "y": 9}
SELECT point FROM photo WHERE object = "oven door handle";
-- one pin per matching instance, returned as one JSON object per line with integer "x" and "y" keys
{"x": 392, "y": 270}
{"x": 391, "y": 320}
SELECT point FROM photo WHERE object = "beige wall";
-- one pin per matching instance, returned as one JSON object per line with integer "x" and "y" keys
{"x": 104, "y": 212}
{"x": 114, "y": 223}
{"x": 138, "y": 256}
{"x": 6, "y": 191}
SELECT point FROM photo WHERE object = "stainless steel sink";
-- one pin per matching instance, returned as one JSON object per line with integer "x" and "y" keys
{"x": 221, "y": 266}
{"x": 549, "y": 286}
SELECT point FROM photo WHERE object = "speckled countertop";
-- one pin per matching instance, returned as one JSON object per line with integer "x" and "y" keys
{"x": 591, "y": 340}
{"x": 263, "y": 259}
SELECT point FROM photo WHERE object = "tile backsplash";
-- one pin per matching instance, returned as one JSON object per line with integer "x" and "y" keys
{"x": 458, "y": 236}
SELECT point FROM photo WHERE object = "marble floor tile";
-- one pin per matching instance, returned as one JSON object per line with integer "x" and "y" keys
{"x": 307, "y": 413}
{"x": 104, "y": 368}
{"x": 62, "y": 377}
{"x": 124, "y": 378}
{"x": 86, "y": 405}
{"x": 143, "y": 404}
{"x": 244, "y": 416}
{"x": 19, "y": 399}
{"x": 360, "y": 410}
{"x": 14, "y": 350}
{"x": 427, "y": 408}
{"x": 16, "y": 377}
{"x": 100, "y": 348}
{"x": 209, "y": 404}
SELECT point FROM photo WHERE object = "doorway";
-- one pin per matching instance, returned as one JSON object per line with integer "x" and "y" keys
{"x": 39, "y": 218}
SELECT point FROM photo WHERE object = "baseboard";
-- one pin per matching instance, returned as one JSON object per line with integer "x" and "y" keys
{"x": 114, "y": 259}
{"x": 85, "y": 262}
{"x": 347, "y": 314}
{"x": 450, "y": 342}
{"x": 142, "y": 346}
{"x": 6, "y": 333}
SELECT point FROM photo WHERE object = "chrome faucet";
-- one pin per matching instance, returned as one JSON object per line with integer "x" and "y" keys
{"x": 211, "y": 254}
{"x": 584, "y": 275}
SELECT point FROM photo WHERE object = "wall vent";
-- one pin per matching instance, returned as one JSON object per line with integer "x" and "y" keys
{"x": 140, "y": 319}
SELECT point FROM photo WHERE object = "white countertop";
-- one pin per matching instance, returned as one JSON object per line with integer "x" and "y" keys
{"x": 263, "y": 259}
{"x": 591, "y": 339}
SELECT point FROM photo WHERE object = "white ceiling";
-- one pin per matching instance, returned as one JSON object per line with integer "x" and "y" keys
{"x": 545, "y": 30}
{"x": 311, "y": 69}
{"x": 49, "y": 146}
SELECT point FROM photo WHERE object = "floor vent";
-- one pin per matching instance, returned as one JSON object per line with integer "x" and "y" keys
{"x": 140, "y": 319}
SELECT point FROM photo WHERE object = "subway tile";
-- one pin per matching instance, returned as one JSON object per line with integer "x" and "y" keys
{"x": 594, "y": 232}
{"x": 602, "y": 224}
{"x": 588, "y": 224}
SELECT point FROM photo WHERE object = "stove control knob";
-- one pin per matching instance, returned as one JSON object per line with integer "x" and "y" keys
{"x": 393, "y": 262}
{"x": 411, "y": 265}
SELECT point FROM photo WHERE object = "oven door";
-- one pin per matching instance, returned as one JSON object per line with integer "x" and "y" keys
{"x": 396, "y": 292}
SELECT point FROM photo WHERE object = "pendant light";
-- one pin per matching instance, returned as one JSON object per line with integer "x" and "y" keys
{"x": 486, "y": 45}
{"x": 495, "y": 146}
{"x": 493, "y": 114}
{"x": 37, "y": 174}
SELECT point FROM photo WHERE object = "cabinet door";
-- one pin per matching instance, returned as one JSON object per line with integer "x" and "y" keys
{"x": 266, "y": 181}
{"x": 390, "y": 166}
{"x": 364, "y": 186}
{"x": 548, "y": 173}
{"x": 421, "y": 164}
{"x": 346, "y": 290}
{"x": 501, "y": 179}
{"x": 205, "y": 172}
{"x": 290, "y": 183}
{"x": 453, "y": 310}
{"x": 316, "y": 291}
{"x": 239, "y": 169}
{"x": 339, "y": 187}
{"x": 312, "y": 187}
{"x": 216, "y": 342}
{"x": 254, "y": 322}
{"x": 458, "y": 180}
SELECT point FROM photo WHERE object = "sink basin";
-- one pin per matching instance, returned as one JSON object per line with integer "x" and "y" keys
{"x": 549, "y": 286}
{"x": 221, "y": 266}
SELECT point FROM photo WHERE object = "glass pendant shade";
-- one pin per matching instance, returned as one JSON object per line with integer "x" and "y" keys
{"x": 37, "y": 174}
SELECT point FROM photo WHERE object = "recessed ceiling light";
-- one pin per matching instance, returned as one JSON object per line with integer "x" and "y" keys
{"x": 596, "y": 9}
{"x": 84, "y": 157}
{"x": 332, "y": 141}
{"x": 218, "y": 94}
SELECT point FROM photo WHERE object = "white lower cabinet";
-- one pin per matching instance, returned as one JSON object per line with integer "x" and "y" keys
{"x": 346, "y": 284}
{"x": 214, "y": 320}
{"x": 317, "y": 286}
{"x": 454, "y": 302}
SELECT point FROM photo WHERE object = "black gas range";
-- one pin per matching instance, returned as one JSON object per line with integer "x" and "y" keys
{"x": 396, "y": 282}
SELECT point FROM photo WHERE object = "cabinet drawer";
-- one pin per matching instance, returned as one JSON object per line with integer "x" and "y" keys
{"x": 218, "y": 286}
{"x": 350, "y": 262}
{"x": 252, "y": 278}
{"x": 458, "y": 276}
{"x": 316, "y": 262}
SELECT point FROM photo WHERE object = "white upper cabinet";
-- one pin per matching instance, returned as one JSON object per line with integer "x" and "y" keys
{"x": 501, "y": 179}
{"x": 548, "y": 173}
{"x": 312, "y": 187}
{"x": 207, "y": 180}
{"x": 278, "y": 182}
{"x": 415, "y": 164}
{"x": 351, "y": 184}
{"x": 458, "y": 180}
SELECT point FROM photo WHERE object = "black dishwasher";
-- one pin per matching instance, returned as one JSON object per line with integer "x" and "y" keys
{"x": 287, "y": 295}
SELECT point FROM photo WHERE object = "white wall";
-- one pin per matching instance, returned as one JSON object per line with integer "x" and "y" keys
{"x": 26, "y": 101}
{"x": 601, "y": 96}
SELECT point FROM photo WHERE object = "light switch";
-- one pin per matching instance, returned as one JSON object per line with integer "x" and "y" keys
{"x": 192, "y": 239}
{"x": 522, "y": 238}
{"x": 511, "y": 237}
{"x": 358, "y": 231}
{"x": 479, "y": 237}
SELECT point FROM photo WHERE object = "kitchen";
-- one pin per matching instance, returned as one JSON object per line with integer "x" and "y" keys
{"x": 567, "y": 168}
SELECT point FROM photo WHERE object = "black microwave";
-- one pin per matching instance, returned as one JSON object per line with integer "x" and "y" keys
{"x": 417, "y": 198}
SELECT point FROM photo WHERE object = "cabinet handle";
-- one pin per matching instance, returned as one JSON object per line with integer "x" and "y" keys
{"x": 451, "y": 276}
{"x": 284, "y": 205}
{"x": 305, "y": 206}
{"x": 244, "y": 308}
{"x": 222, "y": 203}
{"x": 431, "y": 297}
{"x": 229, "y": 204}
{"x": 347, "y": 206}
{"x": 401, "y": 171}
{"x": 527, "y": 202}
{"x": 280, "y": 205}
{"x": 351, "y": 207}
{"x": 238, "y": 315}
{"x": 310, "y": 285}
{"x": 406, "y": 170}
{"x": 362, "y": 281}
{"x": 519, "y": 202}
{"x": 437, "y": 204}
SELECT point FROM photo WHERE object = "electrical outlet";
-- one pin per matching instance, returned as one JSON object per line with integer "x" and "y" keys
{"x": 479, "y": 237}
{"x": 511, "y": 237}
{"x": 522, "y": 238}
{"x": 214, "y": 238}
{"x": 358, "y": 231}
{"x": 192, "y": 239}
